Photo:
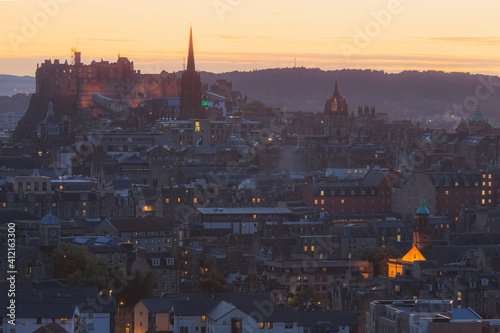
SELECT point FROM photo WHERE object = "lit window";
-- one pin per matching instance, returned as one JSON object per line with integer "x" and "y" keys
{"x": 322, "y": 193}
{"x": 322, "y": 202}
{"x": 447, "y": 192}
{"x": 84, "y": 212}
{"x": 84, "y": 204}
{"x": 342, "y": 201}
{"x": 61, "y": 187}
{"x": 399, "y": 238}
{"x": 4, "y": 204}
{"x": 40, "y": 153}
{"x": 261, "y": 325}
{"x": 489, "y": 184}
{"x": 167, "y": 200}
{"x": 258, "y": 200}
{"x": 195, "y": 200}
{"x": 197, "y": 126}
{"x": 483, "y": 201}
{"x": 316, "y": 201}
{"x": 64, "y": 320}
{"x": 253, "y": 200}
{"x": 269, "y": 325}
{"x": 305, "y": 248}
{"x": 203, "y": 319}
{"x": 312, "y": 248}
{"x": 489, "y": 176}
{"x": 254, "y": 216}
{"x": 484, "y": 192}
{"x": 178, "y": 199}
{"x": 484, "y": 175}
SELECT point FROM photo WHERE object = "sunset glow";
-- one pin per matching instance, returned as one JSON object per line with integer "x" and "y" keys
{"x": 257, "y": 34}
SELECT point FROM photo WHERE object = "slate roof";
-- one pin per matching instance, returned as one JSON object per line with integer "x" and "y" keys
{"x": 51, "y": 328}
{"x": 159, "y": 305}
{"x": 244, "y": 210}
{"x": 138, "y": 224}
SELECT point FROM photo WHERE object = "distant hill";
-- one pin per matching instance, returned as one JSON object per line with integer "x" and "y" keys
{"x": 11, "y": 85}
{"x": 405, "y": 94}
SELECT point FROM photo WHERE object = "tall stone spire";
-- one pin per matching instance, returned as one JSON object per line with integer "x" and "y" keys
{"x": 190, "y": 63}
{"x": 190, "y": 107}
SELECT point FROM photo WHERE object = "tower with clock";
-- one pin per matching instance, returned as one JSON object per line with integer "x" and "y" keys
{"x": 50, "y": 231}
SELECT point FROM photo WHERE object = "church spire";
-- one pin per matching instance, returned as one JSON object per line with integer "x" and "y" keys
{"x": 336, "y": 87}
{"x": 190, "y": 62}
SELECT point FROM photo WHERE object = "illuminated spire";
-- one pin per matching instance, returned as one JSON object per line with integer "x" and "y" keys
{"x": 190, "y": 62}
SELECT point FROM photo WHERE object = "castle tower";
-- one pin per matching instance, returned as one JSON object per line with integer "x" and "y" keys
{"x": 49, "y": 231}
{"x": 421, "y": 230}
{"x": 191, "y": 88}
{"x": 336, "y": 116}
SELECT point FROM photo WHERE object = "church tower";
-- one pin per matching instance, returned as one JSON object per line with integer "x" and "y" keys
{"x": 191, "y": 88}
{"x": 336, "y": 117}
{"x": 421, "y": 230}
{"x": 49, "y": 231}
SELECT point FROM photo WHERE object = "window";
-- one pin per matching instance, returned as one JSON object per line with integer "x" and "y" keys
{"x": 183, "y": 329}
{"x": 64, "y": 320}
{"x": 289, "y": 324}
{"x": 270, "y": 324}
{"x": 195, "y": 200}
{"x": 170, "y": 261}
{"x": 305, "y": 248}
{"x": 312, "y": 248}
{"x": 203, "y": 319}
{"x": 167, "y": 200}
{"x": 316, "y": 201}
{"x": 261, "y": 326}
{"x": 322, "y": 193}
{"x": 156, "y": 262}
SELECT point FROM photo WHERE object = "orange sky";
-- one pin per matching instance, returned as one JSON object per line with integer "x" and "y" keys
{"x": 254, "y": 34}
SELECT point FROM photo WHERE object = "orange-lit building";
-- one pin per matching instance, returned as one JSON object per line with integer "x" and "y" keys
{"x": 421, "y": 239}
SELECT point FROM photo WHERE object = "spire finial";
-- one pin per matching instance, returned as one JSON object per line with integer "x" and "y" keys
{"x": 190, "y": 61}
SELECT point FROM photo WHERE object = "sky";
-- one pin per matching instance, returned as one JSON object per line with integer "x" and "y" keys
{"x": 229, "y": 35}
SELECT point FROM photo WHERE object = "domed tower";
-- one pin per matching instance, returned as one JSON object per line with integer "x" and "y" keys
{"x": 422, "y": 230}
{"x": 50, "y": 231}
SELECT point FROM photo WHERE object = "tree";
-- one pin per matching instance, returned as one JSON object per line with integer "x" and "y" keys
{"x": 81, "y": 267}
{"x": 214, "y": 282}
{"x": 308, "y": 295}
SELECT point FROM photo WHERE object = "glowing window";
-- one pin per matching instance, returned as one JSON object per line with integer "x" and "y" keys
{"x": 195, "y": 200}
{"x": 312, "y": 248}
{"x": 167, "y": 200}
{"x": 322, "y": 193}
{"x": 305, "y": 248}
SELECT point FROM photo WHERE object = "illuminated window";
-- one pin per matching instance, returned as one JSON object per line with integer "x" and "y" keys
{"x": 261, "y": 325}
{"x": 484, "y": 192}
{"x": 316, "y": 201}
{"x": 489, "y": 200}
{"x": 197, "y": 126}
{"x": 203, "y": 319}
{"x": 84, "y": 204}
{"x": 4, "y": 204}
{"x": 195, "y": 200}
{"x": 489, "y": 184}
{"x": 484, "y": 175}
{"x": 483, "y": 201}
{"x": 298, "y": 278}
{"x": 258, "y": 200}
{"x": 84, "y": 212}
{"x": 254, "y": 216}
{"x": 305, "y": 248}
{"x": 447, "y": 192}
{"x": 24, "y": 323}
{"x": 399, "y": 238}
{"x": 312, "y": 248}
{"x": 269, "y": 325}
{"x": 322, "y": 193}
{"x": 167, "y": 200}
{"x": 40, "y": 153}
{"x": 456, "y": 183}
{"x": 61, "y": 187}
{"x": 489, "y": 176}
{"x": 63, "y": 320}
{"x": 489, "y": 192}
{"x": 342, "y": 201}
{"x": 178, "y": 199}
{"x": 322, "y": 202}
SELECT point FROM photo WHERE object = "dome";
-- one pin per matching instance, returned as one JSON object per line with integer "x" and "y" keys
{"x": 422, "y": 209}
{"x": 50, "y": 219}
{"x": 477, "y": 117}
